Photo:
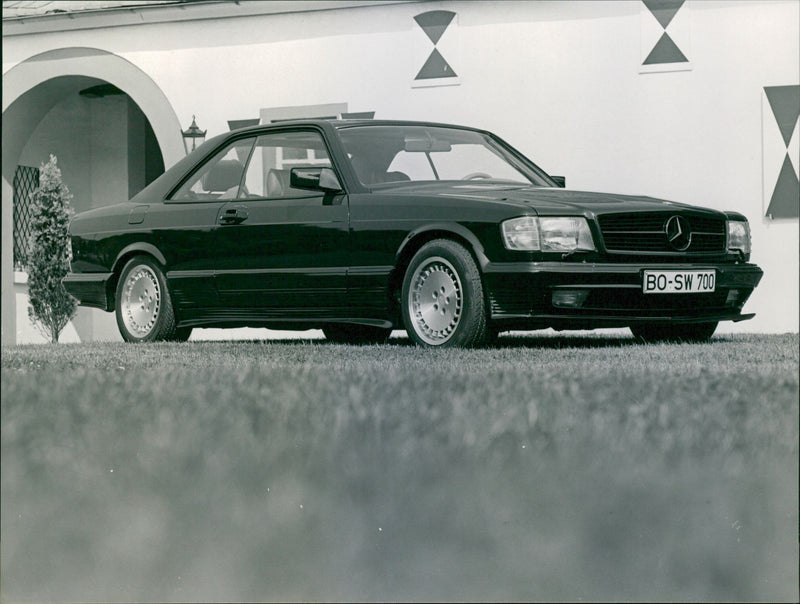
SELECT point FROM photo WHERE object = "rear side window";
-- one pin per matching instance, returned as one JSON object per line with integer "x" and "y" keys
{"x": 220, "y": 177}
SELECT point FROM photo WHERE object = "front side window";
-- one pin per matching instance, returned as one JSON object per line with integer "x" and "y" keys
{"x": 220, "y": 177}
{"x": 274, "y": 155}
{"x": 385, "y": 155}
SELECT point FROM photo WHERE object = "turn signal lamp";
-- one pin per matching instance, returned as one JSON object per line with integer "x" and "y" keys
{"x": 739, "y": 236}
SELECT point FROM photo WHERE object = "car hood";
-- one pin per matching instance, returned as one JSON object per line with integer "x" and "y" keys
{"x": 547, "y": 200}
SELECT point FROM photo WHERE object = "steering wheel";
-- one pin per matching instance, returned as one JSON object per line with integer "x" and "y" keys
{"x": 474, "y": 175}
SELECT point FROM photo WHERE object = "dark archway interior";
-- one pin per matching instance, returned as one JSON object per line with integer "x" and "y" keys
{"x": 107, "y": 152}
{"x": 105, "y": 145}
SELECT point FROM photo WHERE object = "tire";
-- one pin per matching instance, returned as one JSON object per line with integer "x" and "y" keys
{"x": 143, "y": 305}
{"x": 442, "y": 297}
{"x": 347, "y": 333}
{"x": 690, "y": 332}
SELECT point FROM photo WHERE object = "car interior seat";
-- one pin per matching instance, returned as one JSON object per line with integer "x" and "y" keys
{"x": 225, "y": 177}
{"x": 369, "y": 174}
{"x": 396, "y": 177}
{"x": 277, "y": 183}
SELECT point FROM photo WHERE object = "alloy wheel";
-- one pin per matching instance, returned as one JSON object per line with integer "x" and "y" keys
{"x": 435, "y": 300}
{"x": 141, "y": 301}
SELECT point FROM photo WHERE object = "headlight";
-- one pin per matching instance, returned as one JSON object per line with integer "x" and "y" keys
{"x": 739, "y": 236}
{"x": 548, "y": 234}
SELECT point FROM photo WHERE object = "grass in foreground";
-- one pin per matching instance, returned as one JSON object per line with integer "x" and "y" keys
{"x": 544, "y": 469}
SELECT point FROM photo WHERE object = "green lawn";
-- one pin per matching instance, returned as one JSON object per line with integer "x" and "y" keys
{"x": 547, "y": 468}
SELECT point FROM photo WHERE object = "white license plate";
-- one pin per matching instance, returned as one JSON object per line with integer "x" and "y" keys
{"x": 678, "y": 282}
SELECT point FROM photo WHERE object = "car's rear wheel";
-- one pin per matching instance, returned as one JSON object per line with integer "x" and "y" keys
{"x": 345, "y": 333}
{"x": 143, "y": 305}
{"x": 442, "y": 297}
{"x": 689, "y": 332}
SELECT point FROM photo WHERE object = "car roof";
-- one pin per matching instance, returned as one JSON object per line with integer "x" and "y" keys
{"x": 344, "y": 123}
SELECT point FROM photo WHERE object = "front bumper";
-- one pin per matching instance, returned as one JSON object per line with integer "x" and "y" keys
{"x": 520, "y": 295}
{"x": 89, "y": 289}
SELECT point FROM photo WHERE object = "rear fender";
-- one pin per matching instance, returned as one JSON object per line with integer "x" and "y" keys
{"x": 139, "y": 246}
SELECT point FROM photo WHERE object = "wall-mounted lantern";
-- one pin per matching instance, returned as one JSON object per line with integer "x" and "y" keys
{"x": 193, "y": 134}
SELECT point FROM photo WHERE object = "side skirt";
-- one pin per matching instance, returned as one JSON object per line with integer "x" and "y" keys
{"x": 290, "y": 319}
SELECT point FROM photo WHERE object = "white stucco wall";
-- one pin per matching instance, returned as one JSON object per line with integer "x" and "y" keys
{"x": 558, "y": 80}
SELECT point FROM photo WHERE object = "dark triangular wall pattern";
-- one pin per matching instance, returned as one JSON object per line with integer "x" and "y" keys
{"x": 434, "y": 23}
{"x": 785, "y": 202}
{"x": 435, "y": 67}
{"x": 785, "y": 103}
{"x": 665, "y": 51}
{"x": 663, "y": 10}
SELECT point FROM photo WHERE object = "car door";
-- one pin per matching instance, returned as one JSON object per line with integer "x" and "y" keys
{"x": 285, "y": 248}
{"x": 186, "y": 223}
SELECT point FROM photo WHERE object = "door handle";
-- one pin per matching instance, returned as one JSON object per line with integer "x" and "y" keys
{"x": 233, "y": 216}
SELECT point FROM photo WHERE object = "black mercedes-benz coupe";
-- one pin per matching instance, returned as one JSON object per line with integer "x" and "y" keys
{"x": 361, "y": 227}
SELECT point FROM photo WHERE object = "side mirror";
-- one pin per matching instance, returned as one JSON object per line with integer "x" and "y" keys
{"x": 561, "y": 181}
{"x": 315, "y": 179}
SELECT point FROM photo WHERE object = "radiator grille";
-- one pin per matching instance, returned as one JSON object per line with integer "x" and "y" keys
{"x": 646, "y": 232}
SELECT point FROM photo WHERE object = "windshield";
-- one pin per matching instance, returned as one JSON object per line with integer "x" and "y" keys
{"x": 391, "y": 155}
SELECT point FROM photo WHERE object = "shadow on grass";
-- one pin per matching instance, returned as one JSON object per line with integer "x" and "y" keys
{"x": 574, "y": 341}
{"x": 515, "y": 340}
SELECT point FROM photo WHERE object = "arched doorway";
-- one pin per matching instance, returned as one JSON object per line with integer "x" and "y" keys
{"x": 113, "y": 131}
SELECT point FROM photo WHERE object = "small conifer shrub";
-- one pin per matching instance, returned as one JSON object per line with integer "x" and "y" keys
{"x": 49, "y": 254}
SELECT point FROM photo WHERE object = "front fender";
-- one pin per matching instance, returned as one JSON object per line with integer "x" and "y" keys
{"x": 445, "y": 228}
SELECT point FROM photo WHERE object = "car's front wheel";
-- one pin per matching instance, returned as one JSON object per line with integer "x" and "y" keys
{"x": 143, "y": 305}
{"x": 442, "y": 297}
{"x": 689, "y": 332}
{"x": 345, "y": 333}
